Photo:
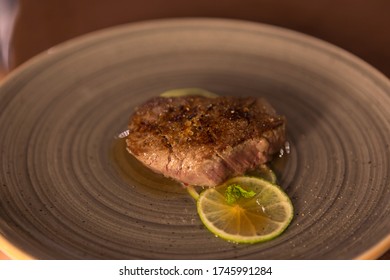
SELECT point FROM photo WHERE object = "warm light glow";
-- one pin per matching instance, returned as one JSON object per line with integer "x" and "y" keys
{"x": 8, "y": 13}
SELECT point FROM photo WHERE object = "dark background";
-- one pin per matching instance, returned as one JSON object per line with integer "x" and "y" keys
{"x": 360, "y": 26}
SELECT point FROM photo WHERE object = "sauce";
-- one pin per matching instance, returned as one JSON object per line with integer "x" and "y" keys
{"x": 135, "y": 173}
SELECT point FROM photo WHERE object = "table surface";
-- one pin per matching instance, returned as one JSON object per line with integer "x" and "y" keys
{"x": 361, "y": 27}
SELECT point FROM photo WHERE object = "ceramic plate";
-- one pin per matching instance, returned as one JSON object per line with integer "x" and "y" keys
{"x": 69, "y": 190}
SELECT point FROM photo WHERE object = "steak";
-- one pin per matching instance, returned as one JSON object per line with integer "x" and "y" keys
{"x": 204, "y": 141}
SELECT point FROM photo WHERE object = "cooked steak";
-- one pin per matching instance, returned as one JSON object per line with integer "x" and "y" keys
{"x": 204, "y": 141}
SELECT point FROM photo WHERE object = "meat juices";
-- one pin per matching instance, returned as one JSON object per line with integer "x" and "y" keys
{"x": 204, "y": 141}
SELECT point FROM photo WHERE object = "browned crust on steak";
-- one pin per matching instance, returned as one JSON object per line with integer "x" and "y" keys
{"x": 203, "y": 141}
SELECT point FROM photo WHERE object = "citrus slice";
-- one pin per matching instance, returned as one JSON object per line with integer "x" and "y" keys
{"x": 194, "y": 191}
{"x": 259, "y": 210}
{"x": 187, "y": 92}
{"x": 264, "y": 172}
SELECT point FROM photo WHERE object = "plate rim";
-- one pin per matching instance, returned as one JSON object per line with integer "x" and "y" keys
{"x": 145, "y": 24}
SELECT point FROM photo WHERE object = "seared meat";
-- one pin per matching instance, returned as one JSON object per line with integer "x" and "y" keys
{"x": 204, "y": 141}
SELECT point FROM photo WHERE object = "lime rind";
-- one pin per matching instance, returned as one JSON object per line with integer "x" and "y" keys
{"x": 180, "y": 92}
{"x": 264, "y": 172}
{"x": 192, "y": 192}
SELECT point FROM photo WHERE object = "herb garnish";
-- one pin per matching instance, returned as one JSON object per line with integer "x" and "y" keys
{"x": 235, "y": 191}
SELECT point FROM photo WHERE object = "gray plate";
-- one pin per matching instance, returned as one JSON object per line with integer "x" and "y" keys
{"x": 64, "y": 193}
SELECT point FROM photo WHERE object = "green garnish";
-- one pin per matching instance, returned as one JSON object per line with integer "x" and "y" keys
{"x": 235, "y": 191}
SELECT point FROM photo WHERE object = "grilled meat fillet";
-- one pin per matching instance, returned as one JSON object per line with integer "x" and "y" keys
{"x": 204, "y": 141}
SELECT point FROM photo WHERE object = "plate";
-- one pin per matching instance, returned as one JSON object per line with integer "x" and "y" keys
{"x": 69, "y": 191}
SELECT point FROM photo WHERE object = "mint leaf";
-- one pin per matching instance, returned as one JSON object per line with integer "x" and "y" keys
{"x": 235, "y": 191}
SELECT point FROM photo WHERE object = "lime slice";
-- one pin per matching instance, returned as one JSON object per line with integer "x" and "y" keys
{"x": 264, "y": 172}
{"x": 187, "y": 92}
{"x": 194, "y": 191}
{"x": 261, "y": 217}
